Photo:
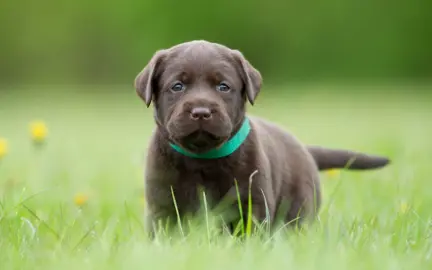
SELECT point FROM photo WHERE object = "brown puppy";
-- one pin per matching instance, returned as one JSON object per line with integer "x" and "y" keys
{"x": 204, "y": 138}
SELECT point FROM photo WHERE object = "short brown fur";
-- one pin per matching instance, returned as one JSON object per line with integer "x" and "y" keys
{"x": 187, "y": 78}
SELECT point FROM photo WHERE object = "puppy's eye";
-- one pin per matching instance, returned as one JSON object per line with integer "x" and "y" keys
{"x": 178, "y": 87}
{"x": 222, "y": 87}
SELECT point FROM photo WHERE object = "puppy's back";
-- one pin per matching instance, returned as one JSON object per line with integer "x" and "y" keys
{"x": 289, "y": 157}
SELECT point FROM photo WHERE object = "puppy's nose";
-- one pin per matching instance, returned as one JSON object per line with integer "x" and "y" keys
{"x": 200, "y": 113}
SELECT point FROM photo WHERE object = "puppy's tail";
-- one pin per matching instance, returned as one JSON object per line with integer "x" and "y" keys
{"x": 337, "y": 158}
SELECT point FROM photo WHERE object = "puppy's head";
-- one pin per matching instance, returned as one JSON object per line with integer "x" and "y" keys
{"x": 199, "y": 90}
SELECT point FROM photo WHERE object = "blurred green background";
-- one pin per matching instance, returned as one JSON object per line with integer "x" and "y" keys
{"x": 109, "y": 42}
{"x": 343, "y": 74}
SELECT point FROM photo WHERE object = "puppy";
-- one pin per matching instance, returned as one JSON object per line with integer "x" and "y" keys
{"x": 205, "y": 139}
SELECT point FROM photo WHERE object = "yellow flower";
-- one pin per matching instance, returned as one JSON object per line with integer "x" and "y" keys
{"x": 333, "y": 173}
{"x": 80, "y": 199}
{"x": 38, "y": 131}
{"x": 403, "y": 208}
{"x": 3, "y": 147}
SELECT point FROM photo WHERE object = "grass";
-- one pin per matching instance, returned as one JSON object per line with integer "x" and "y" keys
{"x": 76, "y": 202}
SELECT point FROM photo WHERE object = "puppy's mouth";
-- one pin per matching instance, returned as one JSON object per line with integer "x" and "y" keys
{"x": 201, "y": 141}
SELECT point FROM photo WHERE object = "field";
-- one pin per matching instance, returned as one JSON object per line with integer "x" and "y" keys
{"x": 76, "y": 201}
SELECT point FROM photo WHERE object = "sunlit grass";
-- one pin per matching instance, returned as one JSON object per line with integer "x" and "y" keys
{"x": 77, "y": 202}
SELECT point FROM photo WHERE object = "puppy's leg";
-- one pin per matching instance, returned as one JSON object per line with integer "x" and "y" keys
{"x": 159, "y": 221}
{"x": 258, "y": 201}
{"x": 160, "y": 212}
{"x": 259, "y": 215}
{"x": 304, "y": 201}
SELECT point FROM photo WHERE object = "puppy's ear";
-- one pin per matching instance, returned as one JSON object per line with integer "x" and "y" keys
{"x": 251, "y": 76}
{"x": 144, "y": 82}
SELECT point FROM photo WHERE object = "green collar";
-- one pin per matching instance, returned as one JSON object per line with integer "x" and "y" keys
{"x": 226, "y": 149}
